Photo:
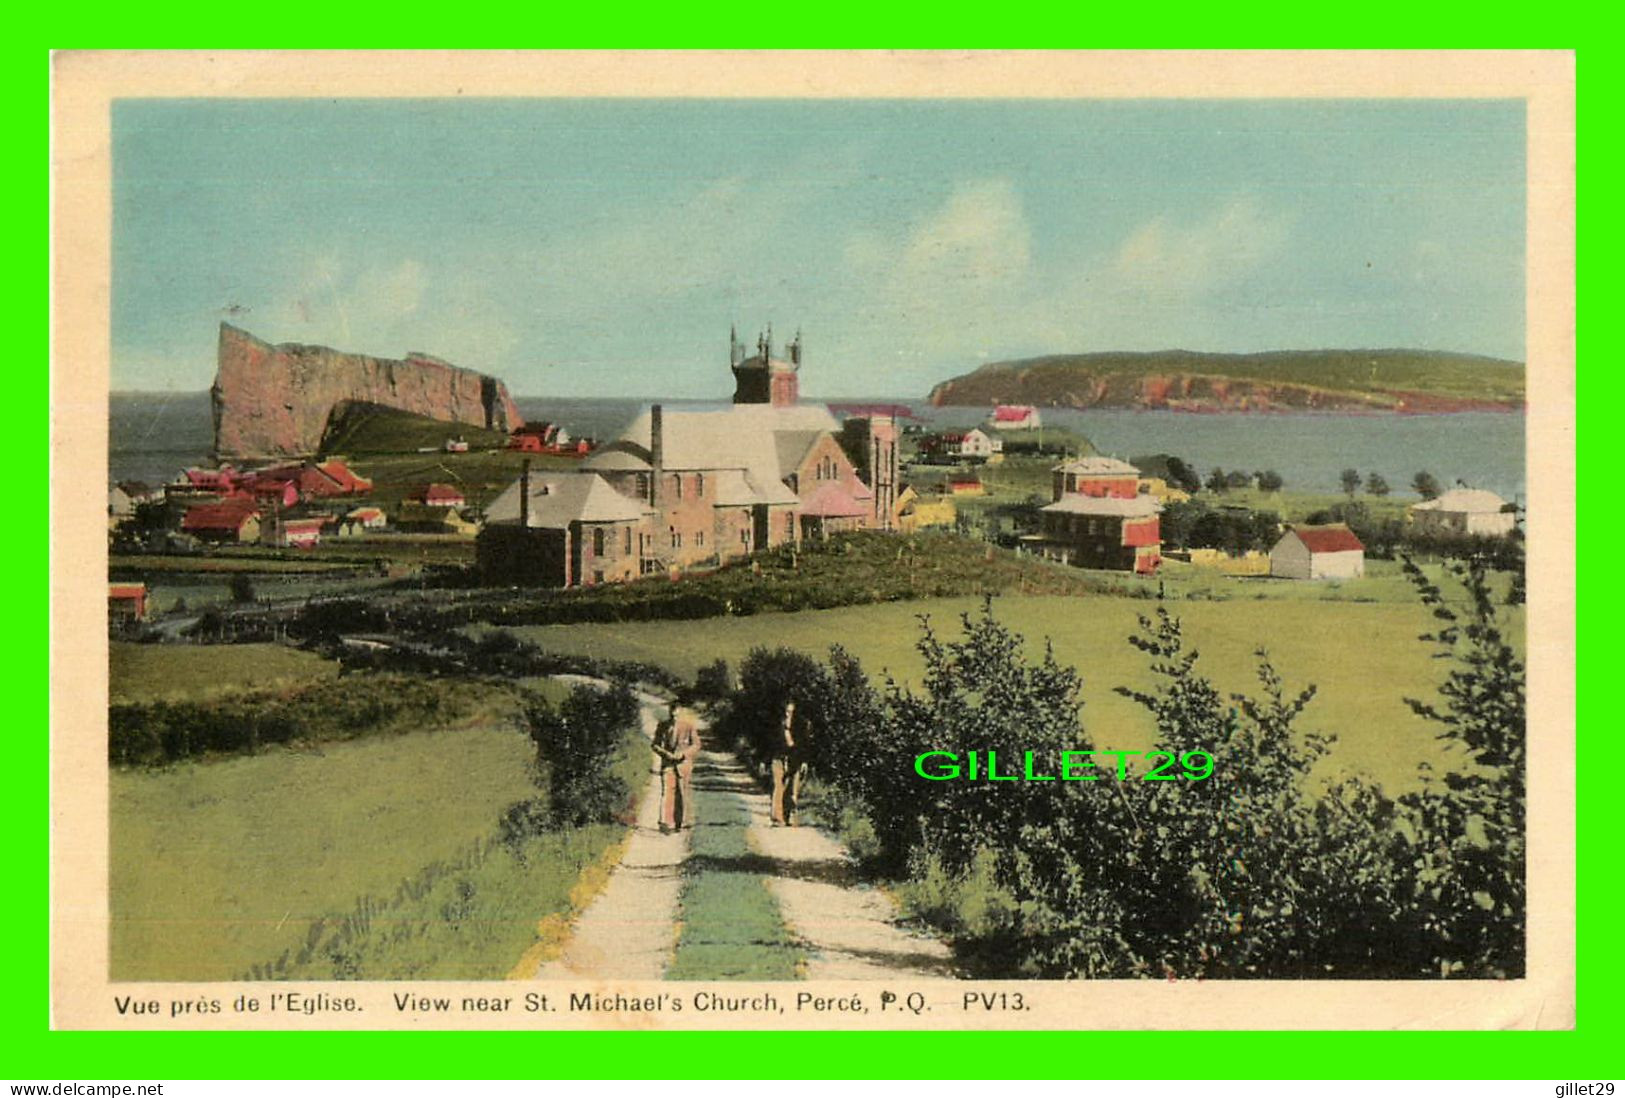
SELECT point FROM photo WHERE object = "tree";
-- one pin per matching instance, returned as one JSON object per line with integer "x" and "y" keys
{"x": 1468, "y": 854}
{"x": 1375, "y": 485}
{"x": 1216, "y": 481}
{"x": 1235, "y": 478}
{"x": 241, "y": 587}
{"x": 1182, "y": 476}
{"x": 1270, "y": 481}
{"x": 1426, "y": 485}
{"x": 1350, "y": 479}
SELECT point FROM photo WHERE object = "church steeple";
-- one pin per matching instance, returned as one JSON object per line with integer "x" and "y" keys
{"x": 763, "y": 379}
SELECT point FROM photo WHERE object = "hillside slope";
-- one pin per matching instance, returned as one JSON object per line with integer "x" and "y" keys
{"x": 1377, "y": 380}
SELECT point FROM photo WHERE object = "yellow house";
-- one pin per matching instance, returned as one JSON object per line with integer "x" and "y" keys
{"x": 913, "y": 511}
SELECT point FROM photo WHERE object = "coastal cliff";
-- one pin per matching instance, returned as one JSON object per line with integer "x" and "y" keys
{"x": 274, "y": 400}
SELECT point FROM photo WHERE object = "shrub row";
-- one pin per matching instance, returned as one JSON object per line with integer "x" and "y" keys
{"x": 159, "y": 732}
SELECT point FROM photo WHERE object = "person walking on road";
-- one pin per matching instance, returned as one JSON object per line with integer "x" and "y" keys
{"x": 789, "y": 765}
{"x": 677, "y": 745}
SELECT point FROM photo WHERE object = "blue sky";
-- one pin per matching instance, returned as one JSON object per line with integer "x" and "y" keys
{"x": 603, "y": 247}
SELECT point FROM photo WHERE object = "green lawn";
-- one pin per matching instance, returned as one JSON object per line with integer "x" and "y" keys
{"x": 219, "y": 866}
{"x": 1364, "y": 657}
{"x": 731, "y": 926}
{"x": 480, "y": 474}
{"x": 173, "y": 672}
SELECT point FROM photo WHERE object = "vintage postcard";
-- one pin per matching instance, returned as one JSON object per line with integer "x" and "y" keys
{"x": 813, "y": 541}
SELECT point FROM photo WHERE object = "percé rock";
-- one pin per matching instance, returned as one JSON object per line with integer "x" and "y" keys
{"x": 275, "y": 400}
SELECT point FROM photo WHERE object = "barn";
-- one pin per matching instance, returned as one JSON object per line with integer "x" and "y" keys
{"x": 1318, "y": 552}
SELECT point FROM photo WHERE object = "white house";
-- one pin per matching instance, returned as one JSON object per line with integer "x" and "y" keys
{"x": 1464, "y": 511}
{"x": 1318, "y": 552}
{"x": 977, "y": 443}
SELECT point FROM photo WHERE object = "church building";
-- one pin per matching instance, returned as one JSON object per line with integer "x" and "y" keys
{"x": 699, "y": 487}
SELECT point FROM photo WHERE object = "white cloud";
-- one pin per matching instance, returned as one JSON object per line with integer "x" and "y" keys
{"x": 1170, "y": 260}
{"x": 953, "y": 275}
{"x": 388, "y": 309}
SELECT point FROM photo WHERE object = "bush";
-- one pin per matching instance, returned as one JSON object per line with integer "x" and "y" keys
{"x": 713, "y": 682}
{"x": 753, "y": 719}
{"x": 575, "y": 751}
{"x": 1257, "y": 872}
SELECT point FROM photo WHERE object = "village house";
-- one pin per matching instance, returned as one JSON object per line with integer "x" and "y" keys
{"x": 438, "y": 495}
{"x": 972, "y": 445}
{"x": 965, "y": 484}
{"x": 977, "y": 443}
{"x": 1464, "y": 511}
{"x": 1014, "y": 417}
{"x": 546, "y": 438}
{"x": 1096, "y": 476}
{"x": 430, "y": 518}
{"x": 126, "y": 602}
{"x": 361, "y": 520}
{"x": 228, "y": 521}
{"x": 709, "y": 486}
{"x": 292, "y": 531}
{"x": 124, "y": 497}
{"x": 1308, "y": 552}
{"x": 1124, "y": 535}
{"x": 1099, "y": 519}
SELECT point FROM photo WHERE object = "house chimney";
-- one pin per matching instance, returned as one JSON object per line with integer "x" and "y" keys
{"x": 657, "y": 452}
{"x": 524, "y": 495}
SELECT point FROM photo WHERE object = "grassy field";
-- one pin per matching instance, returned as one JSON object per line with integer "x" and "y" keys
{"x": 221, "y": 866}
{"x": 175, "y": 672}
{"x": 480, "y": 474}
{"x": 1364, "y": 657}
{"x": 361, "y": 428}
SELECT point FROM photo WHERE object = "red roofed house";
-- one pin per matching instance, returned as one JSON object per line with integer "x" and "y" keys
{"x": 311, "y": 481}
{"x": 126, "y": 602}
{"x": 438, "y": 495}
{"x": 1101, "y": 477}
{"x": 1014, "y": 417}
{"x": 349, "y": 482}
{"x": 221, "y": 480}
{"x": 232, "y": 520}
{"x": 293, "y": 533}
{"x": 368, "y": 518}
{"x": 1318, "y": 552}
{"x": 1099, "y": 519}
{"x": 281, "y": 493}
{"x": 1102, "y": 532}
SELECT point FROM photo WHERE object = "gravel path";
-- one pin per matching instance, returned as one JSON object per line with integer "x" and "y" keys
{"x": 850, "y": 930}
{"x": 847, "y": 929}
{"x": 629, "y": 931}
